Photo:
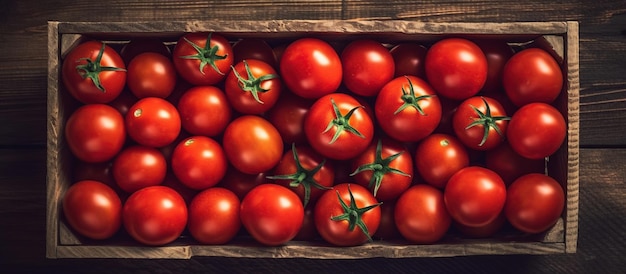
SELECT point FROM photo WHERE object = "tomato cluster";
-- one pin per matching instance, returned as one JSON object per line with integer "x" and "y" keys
{"x": 343, "y": 141}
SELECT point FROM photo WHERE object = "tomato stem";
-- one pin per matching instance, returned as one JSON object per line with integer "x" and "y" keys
{"x": 252, "y": 84}
{"x": 487, "y": 121}
{"x": 342, "y": 122}
{"x": 207, "y": 55}
{"x": 93, "y": 68}
{"x": 410, "y": 100}
{"x": 380, "y": 167}
{"x": 353, "y": 213}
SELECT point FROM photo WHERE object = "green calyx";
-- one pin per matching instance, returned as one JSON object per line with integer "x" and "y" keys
{"x": 353, "y": 214}
{"x": 380, "y": 167}
{"x": 487, "y": 121}
{"x": 342, "y": 123}
{"x": 207, "y": 55}
{"x": 302, "y": 176}
{"x": 410, "y": 100}
{"x": 252, "y": 84}
{"x": 93, "y": 68}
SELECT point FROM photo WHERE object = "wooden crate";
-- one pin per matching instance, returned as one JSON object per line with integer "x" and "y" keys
{"x": 561, "y": 38}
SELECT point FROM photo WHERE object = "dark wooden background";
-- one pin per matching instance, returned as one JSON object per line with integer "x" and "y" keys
{"x": 23, "y": 70}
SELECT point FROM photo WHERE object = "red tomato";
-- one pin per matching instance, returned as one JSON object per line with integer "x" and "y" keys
{"x": 456, "y": 68}
{"x": 485, "y": 231}
{"x": 367, "y": 66}
{"x": 93, "y": 72}
{"x": 497, "y": 52}
{"x": 385, "y": 168}
{"x": 252, "y": 144}
{"x": 93, "y": 209}
{"x": 475, "y": 196}
{"x": 172, "y": 182}
{"x": 203, "y": 58}
{"x": 287, "y": 116}
{"x": 536, "y": 130}
{"x": 510, "y": 165}
{"x": 153, "y": 122}
{"x": 305, "y": 172}
{"x": 95, "y": 133}
{"x": 347, "y": 215}
{"x": 311, "y": 68}
{"x": 307, "y": 232}
{"x": 532, "y": 75}
{"x": 214, "y": 216}
{"x": 480, "y": 123}
{"x": 140, "y": 45}
{"x": 151, "y": 75}
{"x": 438, "y": 157}
{"x": 199, "y": 162}
{"x": 252, "y": 87}
{"x": 155, "y": 215}
{"x": 136, "y": 167}
{"x": 204, "y": 110}
{"x": 407, "y": 109}
{"x": 337, "y": 127}
{"x": 421, "y": 216}
{"x": 124, "y": 102}
{"x": 272, "y": 214}
{"x": 241, "y": 183}
{"x": 387, "y": 230}
{"x": 409, "y": 59}
{"x": 534, "y": 203}
{"x": 252, "y": 48}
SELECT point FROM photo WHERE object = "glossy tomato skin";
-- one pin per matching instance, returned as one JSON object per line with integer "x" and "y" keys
{"x": 272, "y": 214}
{"x": 421, "y": 215}
{"x": 337, "y": 232}
{"x": 534, "y": 203}
{"x": 153, "y": 122}
{"x": 191, "y": 69}
{"x": 475, "y": 196}
{"x": 95, "y": 133}
{"x": 510, "y": 165}
{"x": 409, "y": 59}
{"x": 242, "y": 97}
{"x": 532, "y": 75}
{"x": 84, "y": 89}
{"x": 484, "y": 231}
{"x": 252, "y": 144}
{"x": 204, "y": 110}
{"x": 214, "y": 216}
{"x": 397, "y": 112}
{"x": 151, "y": 74}
{"x": 347, "y": 144}
{"x": 155, "y": 215}
{"x": 456, "y": 68}
{"x": 497, "y": 52}
{"x": 252, "y": 48}
{"x": 473, "y": 136}
{"x": 536, "y": 130}
{"x": 136, "y": 167}
{"x": 93, "y": 209}
{"x": 438, "y": 157}
{"x": 287, "y": 116}
{"x": 199, "y": 162}
{"x": 311, "y": 68}
{"x": 367, "y": 66}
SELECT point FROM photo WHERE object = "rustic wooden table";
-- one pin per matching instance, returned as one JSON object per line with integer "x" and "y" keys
{"x": 23, "y": 70}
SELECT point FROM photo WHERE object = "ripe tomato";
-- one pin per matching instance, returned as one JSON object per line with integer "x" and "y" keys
{"x": 153, "y": 122}
{"x": 510, "y": 165}
{"x": 385, "y": 168}
{"x": 155, "y": 215}
{"x": 252, "y": 144}
{"x": 421, "y": 216}
{"x": 252, "y": 48}
{"x": 204, "y": 110}
{"x": 307, "y": 232}
{"x": 534, "y": 203}
{"x": 456, "y": 68}
{"x": 199, "y": 162}
{"x": 347, "y": 215}
{"x": 241, "y": 183}
{"x": 438, "y": 157}
{"x": 123, "y": 102}
{"x": 272, "y": 214}
{"x": 305, "y": 172}
{"x": 95, "y": 133}
{"x": 287, "y": 116}
{"x": 93, "y": 72}
{"x": 93, "y": 209}
{"x": 367, "y": 66}
{"x": 252, "y": 87}
{"x": 311, "y": 68}
{"x": 532, "y": 75}
{"x": 337, "y": 126}
{"x": 214, "y": 216}
{"x": 480, "y": 123}
{"x": 409, "y": 59}
{"x": 536, "y": 130}
{"x": 484, "y": 231}
{"x": 203, "y": 58}
{"x": 151, "y": 75}
{"x": 387, "y": 230}
{"x": 136, "y": 167}
{"x": 140, "y": 45}
{"x": 497, "y": 52}
{"x": 475, "y": 196}
{"x": 407, "y": 109}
